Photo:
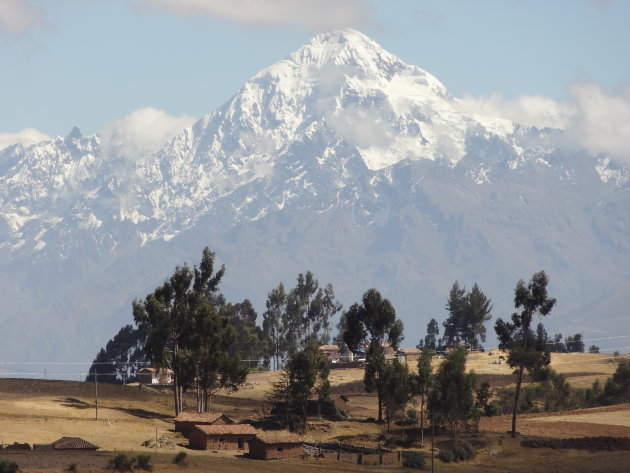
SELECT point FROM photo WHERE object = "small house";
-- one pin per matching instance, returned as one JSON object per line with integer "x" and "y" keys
{"x": 155, "y": 376}
{"x": 221, "y": 436}
{"x": 331, "y": 352}
{"x": 277, "y": 446}
{"x": 408, "y": 354}
{"x": 186, "y": 421}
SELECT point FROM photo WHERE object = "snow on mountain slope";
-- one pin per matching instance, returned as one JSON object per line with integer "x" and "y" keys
{"x": 341, "y": 159}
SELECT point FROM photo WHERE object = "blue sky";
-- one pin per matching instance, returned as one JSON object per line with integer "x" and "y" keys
{"x": 95, "y": 63}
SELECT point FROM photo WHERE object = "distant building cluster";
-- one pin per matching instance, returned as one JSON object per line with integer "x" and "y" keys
{"x": 217, "y": 431}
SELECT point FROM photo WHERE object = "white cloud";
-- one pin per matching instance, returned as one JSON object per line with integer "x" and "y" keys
{"x": 312, "y": 14}
{"x": 18, "y": 18}
{"x": 530, "y": 110}
{"x": 594, "y": 119}
{"x": 141, "y": 133}
{"x": 25, "y": 137}
{"x": 601, "y": 122}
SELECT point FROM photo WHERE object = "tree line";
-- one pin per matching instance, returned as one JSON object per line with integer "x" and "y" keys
{"x": 186, "y": 325}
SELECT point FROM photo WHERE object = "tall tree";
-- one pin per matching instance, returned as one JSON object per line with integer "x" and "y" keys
{"x": 249, "y": 340}
{"x": 373, "y": 323}
{"x": 456, "y": 307}
{"x": 295, "y": 317}
{"x": 468, "y": 313}
{"x": 309, "y": 310}
{"x": 526, "y": 350}
{"x": 210, "y": 354}
{"x": 178, "y": 318}
{"x": 451, "y": 401}
{"x": 424, "y": 383}
{"x": 478, "y": 312}
{"x": 575, "y": 344}
{"x": 431, "y": 340}
{"x": 398, "y": 386}
{"x": 273, "y": 328}
{"x": 305, "y": 374}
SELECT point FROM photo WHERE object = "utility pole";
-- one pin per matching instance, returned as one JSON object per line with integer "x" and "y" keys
{"x": 96, "y": 391}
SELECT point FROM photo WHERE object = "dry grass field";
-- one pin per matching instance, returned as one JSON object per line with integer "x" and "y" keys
{"x": 38, "y": 411}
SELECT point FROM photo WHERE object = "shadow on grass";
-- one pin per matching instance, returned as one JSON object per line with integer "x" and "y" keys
{"x": 76, "y": 403}
{"x": 142, "y": 413}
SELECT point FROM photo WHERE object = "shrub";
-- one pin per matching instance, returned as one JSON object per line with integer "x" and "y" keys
{"x": 180, "y": 458}
{"x": 72, "y": 467}
{"x": 144, "y": 462}
{"x": 122, "y": 462}
{"x": 463, "y": 451}
{"x": 8, "y": 467}
{"x": 495, "y": 408}
{"x": 446, "y": 455}
{"x": 413, "y": 460}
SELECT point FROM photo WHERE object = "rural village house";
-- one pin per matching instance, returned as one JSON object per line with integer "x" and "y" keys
{"x": 67, "y": 443}
{"x": 278, "y": 446}
{"x": 155, "y": 376}
{"x": 408, "y": 354}
{"x": 186, "y": 421}
{"x": 221, "y": 436}
{"x": 332, "y": 352}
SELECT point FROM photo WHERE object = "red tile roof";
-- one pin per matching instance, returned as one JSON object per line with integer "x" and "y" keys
{"x": 201, "y": 417}
{"x": 73, "y": 443}
{"x": 227, "y": 429}
{"x": 410, "y": 351}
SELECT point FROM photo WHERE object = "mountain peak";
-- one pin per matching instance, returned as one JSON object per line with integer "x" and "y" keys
{"x": 347, "y": 47}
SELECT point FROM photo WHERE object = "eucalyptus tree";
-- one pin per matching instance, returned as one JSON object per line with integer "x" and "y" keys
{"x": 293, "y": 318}
{"x": 424, "y": 383}
{"x": 527, "y": 351}
{"x": 372, "y": 324}
{"x": 185, "y": 333}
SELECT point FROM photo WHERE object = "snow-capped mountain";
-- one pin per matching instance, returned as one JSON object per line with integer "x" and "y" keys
{"x": 341, "y": 159}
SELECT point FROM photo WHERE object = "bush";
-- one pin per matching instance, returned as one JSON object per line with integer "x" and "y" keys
{"x": 8, "y": 467}
{"x": 72, "y": 467}
{"x": 413, "y": 460}
{"x": 461, "y": 451}
{"x": 122, "y": 462}
{"x": 446, "y": 455}
{"x": 180, "y": 459}
{"x": 495, "y": 408}
{"x": 144, "y": 462}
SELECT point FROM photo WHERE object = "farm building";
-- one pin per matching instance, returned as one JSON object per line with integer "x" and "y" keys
{"x": 73, "y": 443}
{"x": 331, "y": 351}
{"x": 186, "y": 421}
{"x": 155, "y": 376}
{"x": 221, "y": 436}
{"x": 278, "y": 446}
{"x": 408, "y": 354}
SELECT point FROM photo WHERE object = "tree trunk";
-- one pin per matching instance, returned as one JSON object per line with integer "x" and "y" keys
{"x": 422, "y": 420}
{"x": 517, "y": 393}
{"x": 380, "y": 406}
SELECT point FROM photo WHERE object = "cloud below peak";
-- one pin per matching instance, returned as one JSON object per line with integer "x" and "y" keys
{"x": 594, "y": 119}
{"x": 25, "y": 137}
{"x": 141, "y": 133}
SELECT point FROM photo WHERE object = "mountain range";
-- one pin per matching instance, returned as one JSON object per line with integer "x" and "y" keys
{"x": 340, "y": 159}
